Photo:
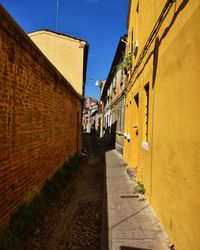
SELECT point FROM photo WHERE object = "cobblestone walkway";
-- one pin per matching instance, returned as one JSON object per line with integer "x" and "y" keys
{"x": 74, "y": 221}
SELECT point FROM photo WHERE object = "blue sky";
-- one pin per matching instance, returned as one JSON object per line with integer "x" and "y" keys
{"x": 99, "y": 22}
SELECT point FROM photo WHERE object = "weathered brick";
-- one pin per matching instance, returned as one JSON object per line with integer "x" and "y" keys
{"x": 38, "y": 118}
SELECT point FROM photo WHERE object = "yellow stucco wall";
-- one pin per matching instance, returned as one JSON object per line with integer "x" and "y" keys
{"x": 66, "y": 53}
{"x": 169, "y": 168}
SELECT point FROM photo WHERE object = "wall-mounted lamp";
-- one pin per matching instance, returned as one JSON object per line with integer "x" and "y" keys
{"x": 122, "y": 40}
{"x": 97, "y": 83}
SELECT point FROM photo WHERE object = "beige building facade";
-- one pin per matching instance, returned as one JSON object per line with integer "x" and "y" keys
{"x": 68, "y": 54}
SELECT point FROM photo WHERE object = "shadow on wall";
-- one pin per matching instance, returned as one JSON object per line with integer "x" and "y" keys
{"x": 110, "y": 135}
{"x": 166, "y": 31}
{"x": 176, "y": 13}
{"x": 158, "y": 42}
{"x": 113, "y": 134}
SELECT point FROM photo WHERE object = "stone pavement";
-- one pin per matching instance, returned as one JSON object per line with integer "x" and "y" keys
{"x": 132, "y": 223}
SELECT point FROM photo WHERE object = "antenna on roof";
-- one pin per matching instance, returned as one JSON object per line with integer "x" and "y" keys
{"x": 57, "y": 15}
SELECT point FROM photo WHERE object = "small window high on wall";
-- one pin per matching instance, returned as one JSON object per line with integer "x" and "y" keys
{"x": 146, "y": 111}
{"x": 138, "y": 7}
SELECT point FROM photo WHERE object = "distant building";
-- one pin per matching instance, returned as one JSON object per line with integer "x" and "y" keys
{"x": 91, "y": 116}
{"x": 68, "y": 54}
{"x": 113, "y": 100}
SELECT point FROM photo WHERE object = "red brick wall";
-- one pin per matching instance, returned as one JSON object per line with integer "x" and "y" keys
{"x": 38, "y": 118}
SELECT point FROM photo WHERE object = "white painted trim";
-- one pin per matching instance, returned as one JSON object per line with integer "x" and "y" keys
{"x": 128, "y": 136}
{"x": 145, "y": 145}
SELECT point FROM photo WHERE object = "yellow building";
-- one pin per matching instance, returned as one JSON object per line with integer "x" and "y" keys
{"x": 162, "y": 116}
{"x": 67, "y": 53}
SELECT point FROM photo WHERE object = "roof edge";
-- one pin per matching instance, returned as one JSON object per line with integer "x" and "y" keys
{"x": 58, "y": 33}
{"x": 44, "y": 60}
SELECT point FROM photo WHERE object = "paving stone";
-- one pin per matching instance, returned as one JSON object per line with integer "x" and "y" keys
{"x": 131, "y": 223}
{"x": 74, "y": 221}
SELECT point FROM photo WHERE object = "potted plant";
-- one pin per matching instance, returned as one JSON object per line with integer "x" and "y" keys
{"x": 126, "y": 64}
{"x": 140, "y": 189}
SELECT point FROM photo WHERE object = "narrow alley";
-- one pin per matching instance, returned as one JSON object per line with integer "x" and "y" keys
{"x": 74, "y": 221}
{"x": 99, "y": 209}
{"x": 99, "y": 125}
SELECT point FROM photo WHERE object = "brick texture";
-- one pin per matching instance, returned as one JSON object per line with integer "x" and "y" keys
{"x": 39, "y": 118}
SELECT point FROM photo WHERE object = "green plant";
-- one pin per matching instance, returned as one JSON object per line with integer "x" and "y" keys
{"x": 140, "y": 188}
{"x": 28, "y": 216}
{"x": 126, "y": 63}
{"x": 108, "y": 97}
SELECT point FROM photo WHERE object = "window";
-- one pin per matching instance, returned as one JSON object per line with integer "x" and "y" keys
{"x": 108, "y": 92}
{"x": 114, "y": 83}
{"x": 120, "y": 76}
{"x": 121, "y": 119}
{"x": 131, "y": 41}
{"x": 146, "y": 111}
{"x": 138, "y": 6}
{"x": 132, "y": 36}
{"x": 136, "y": 98}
